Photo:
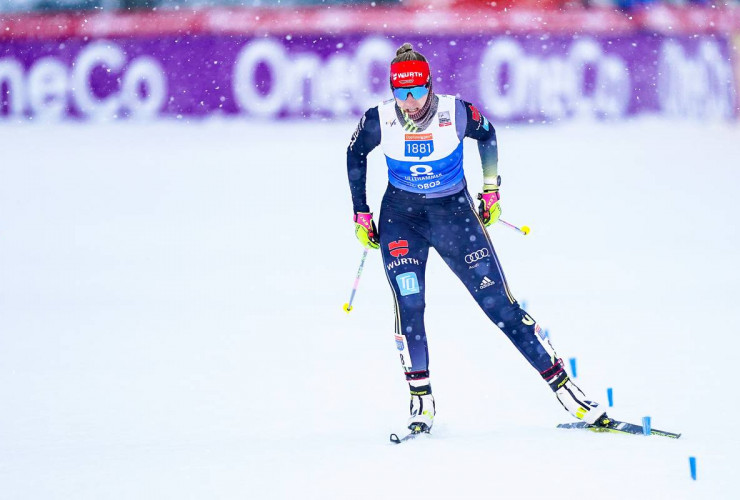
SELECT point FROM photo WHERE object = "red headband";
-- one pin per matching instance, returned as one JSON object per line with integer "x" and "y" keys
{"x": 409, "y": 74}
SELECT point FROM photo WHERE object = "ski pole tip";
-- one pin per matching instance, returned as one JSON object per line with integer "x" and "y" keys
{"x": 347, "y": 308}
{"x": 525, "y": 230}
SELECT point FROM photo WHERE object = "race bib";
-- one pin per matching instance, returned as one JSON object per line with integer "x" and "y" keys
{"x": 419, "y": 145}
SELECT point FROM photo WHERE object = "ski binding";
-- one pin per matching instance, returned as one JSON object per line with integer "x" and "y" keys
{"x": 416, "y": 430}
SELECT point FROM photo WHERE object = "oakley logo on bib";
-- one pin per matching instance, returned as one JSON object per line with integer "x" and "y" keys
{"x": 419, "y": 145}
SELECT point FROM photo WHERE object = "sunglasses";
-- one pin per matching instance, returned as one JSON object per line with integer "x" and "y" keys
{"x": 416, "y": 92}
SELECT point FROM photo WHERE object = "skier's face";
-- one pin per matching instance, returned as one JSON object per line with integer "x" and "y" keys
{"x": 411, "y": 105}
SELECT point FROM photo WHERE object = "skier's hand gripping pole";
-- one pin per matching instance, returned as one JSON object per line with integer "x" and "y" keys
{"x": 489, "y": 208}
{"x": 366, "y": 231}
{"x": 348, "y": 305}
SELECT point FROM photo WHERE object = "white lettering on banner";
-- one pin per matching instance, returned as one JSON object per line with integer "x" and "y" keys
{"x": 334, "y": 93}
{"x": 372, "y": 52}
{"x": 92, "y": 56}
{"x": 145, "y": 70}
{"x": 271, "y": 54}
{"x": 553, "y": 86}
{"x": 50, "y": 85}
{"x": 11, "y": 76}
{"x": 47, "y": 88}
{"x": 303, "y": 83}
{"x": 699, "y": 86}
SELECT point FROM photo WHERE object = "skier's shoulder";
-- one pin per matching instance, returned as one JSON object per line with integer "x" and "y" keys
{"x": 463, "y": 109}
{"x": 369, "y": 119}
{"x": 367, "y": 133}
{"x": 467, "y": 106}
{"x": 372, "y": 113}
{"x": 447, "y": 98}
{"x": 473, "y": 116}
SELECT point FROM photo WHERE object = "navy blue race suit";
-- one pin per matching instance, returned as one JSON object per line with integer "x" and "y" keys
{"x": 411, "y": 223}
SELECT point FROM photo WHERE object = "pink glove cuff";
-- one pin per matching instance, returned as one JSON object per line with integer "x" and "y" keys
{"x": 364, "y": 219}
{"x": 489, "y": 199}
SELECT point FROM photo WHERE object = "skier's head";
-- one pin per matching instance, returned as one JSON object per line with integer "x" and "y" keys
{"x": 411, "y": 81}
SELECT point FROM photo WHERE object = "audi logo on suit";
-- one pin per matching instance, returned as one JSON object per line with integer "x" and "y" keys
{"x": 477, "y": 255}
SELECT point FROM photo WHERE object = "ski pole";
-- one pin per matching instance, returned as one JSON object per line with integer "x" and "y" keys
{"x": 524, "y": 229}
{"x": 348, "y": 306}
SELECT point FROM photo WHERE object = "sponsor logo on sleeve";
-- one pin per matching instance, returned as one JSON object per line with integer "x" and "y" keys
{"x": 477, "y": 116}
{"x": 359, "y": 128}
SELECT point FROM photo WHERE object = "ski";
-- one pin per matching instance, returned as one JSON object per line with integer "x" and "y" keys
{"x": 408, "y": 437}
{"x": 411, "y": 435}
{"x": 607, "y": 424}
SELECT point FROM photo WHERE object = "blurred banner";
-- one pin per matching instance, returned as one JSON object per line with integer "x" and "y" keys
{"x": 737, "y": 67}
{"x": 536, "y": 77}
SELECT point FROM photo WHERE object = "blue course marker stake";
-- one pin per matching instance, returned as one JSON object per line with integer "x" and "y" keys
{"x": 610, "y": 396}
{"x": 646, "y": 426}
{"x": 692, "y": 466}
{"x": 573, "y": 367}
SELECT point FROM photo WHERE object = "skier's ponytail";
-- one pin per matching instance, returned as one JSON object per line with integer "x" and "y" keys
{"x": 406, "y": 52}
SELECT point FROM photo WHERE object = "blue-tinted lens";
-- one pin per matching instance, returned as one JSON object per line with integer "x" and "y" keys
{"x": 416, "y": 92}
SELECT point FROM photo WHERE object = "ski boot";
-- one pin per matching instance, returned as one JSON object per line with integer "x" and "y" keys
{"x": 571, "y": 397}
{"x": 422, "y": 413}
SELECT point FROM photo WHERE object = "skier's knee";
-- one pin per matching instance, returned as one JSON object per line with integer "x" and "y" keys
{"x": 505, "y": 313}
{"x": 412, "y": 304}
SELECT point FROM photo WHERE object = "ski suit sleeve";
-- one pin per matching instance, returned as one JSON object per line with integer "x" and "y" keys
{"x": 365, "y": 139}
{"x": 477, "y": 127}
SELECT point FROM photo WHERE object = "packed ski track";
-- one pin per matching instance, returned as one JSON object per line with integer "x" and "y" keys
{"x": 171, "y": 321}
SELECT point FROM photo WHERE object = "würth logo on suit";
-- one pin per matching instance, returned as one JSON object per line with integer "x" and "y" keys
{"x": 399, "y": 248}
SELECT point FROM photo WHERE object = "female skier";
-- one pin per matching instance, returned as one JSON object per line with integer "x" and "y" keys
{"x": 427, "y": 204}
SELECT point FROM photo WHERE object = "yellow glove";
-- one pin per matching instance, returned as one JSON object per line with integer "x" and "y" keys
{"x": 489, "y": 208}
{"x": 366, "y": 231}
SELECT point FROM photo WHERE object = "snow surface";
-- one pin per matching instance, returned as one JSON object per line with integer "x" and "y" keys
{"x": 171, "y": 320}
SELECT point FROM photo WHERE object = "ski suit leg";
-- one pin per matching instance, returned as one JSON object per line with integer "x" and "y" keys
{"x": 405, "y": 249}
{"x": 464, "y": 244}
